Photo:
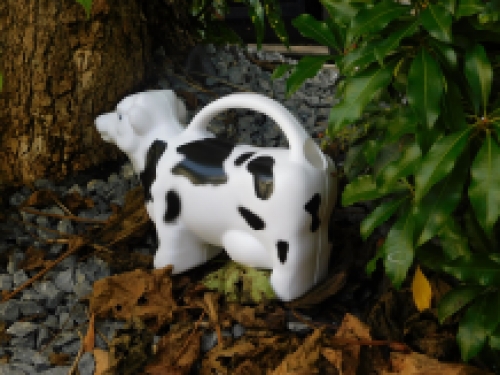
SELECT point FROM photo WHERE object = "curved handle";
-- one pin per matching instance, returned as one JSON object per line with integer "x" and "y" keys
{"x": 293, "y": 130}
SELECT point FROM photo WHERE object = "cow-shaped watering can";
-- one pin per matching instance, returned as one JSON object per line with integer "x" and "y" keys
{"x": 267, "y": 207}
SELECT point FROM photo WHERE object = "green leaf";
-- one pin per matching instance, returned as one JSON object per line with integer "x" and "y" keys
{"x": 453, "y": 241}
{"x": 468, "y": 8}
{"x": 478, "y": 240}
{"x": 87, "y": 5}
{"x": 307, "y": 67}
{"x": 495, "y": 339}
{"x": 404, "y": 122}
{"x": 400, "y": 168}
{"x": 281, "y": 70}
{"x": 439, "y": 161}
{"x": 398, "y": 249}
{"x": 425, "y": 87}
{"x": 363, "y": 188}
{"x": 341, "y": 11}
{"x": 240, "y": 283}
{"x": 484, "y": 189}
{"x": 477, "y": 269}
{"x": 309, "y": 27}
{"x": 445, "y": 54}
{"x": 358, "y": 59}
{"x": 359, "y": 90}
{"x": 437, "y": 21}
{"x": 456, "y": 299}
{"x": 372, "y": 20}
{"x": 479, "y": 76}
{"x": 256, "y": 12}
{"x": 392, "y": 41}
{"x": 452, "y": 111}
{"x": 478, "y": 323}
{"x": 380, "y": 215}
{"x": 275, "y": 20}
{"x": 439, "y": 203}
{"x": 450, "y": 5}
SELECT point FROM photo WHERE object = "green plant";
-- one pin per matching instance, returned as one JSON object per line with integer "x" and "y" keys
{"x": 421, "y": 94}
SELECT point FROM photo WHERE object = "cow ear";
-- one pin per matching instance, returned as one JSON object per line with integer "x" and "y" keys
{"x": 140, "y": 120}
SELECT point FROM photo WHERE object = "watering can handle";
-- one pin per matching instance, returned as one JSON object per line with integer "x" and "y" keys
{"x": 293, "y": 130}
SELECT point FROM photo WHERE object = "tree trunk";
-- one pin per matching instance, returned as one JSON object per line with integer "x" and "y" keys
{"x": 60, "y": 70}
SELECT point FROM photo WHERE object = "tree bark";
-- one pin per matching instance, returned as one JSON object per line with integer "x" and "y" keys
{"x": 60, "y": 70}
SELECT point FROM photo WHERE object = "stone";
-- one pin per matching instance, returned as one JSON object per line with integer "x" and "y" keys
{"x": 238, "y": 330}
{"x": 16, "y": 199}
{"x": 65, "y": 280}
{"x": 64, "y": 339}
{"x": 209, "y": 340}
{"x": 65, "y": 226}
{"x": 60, "y": 370}
{"x": 9, "y": 311}
{"x": 6, "y": 282}
{"x": 52, "y": 294}
{"x": 27, "y": 341}
{"x": 86, "y": 364}
{"x": 21, "y": 329}
{"x": 235, "y": 75}
{"x": 43, "y": 337}
{"x": 28, "y": 308}
{"x": 9, "y": 369}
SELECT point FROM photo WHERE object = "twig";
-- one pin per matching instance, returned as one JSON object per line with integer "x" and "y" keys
{"x": 59, "y": 203}
{"x": 74, "y": 244}
{"x": 58, "y": 216}
{"x": 78, "y": 356}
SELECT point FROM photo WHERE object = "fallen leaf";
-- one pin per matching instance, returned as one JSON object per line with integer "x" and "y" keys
{"x": 139, "y": 293}
{"x": 334, "y": 357}
{"x": 420, "y": 364}
{"x": 59, "y": 359}
{"x": 33, "y": 259}
{"x": 38, "y": 199}
{"x": 176, "y": 351}
{"x": 304, "y": 359}
{"x": 88, "y": 341}
{"x": 422, "y": 292}
{"x": 101, "y": 358}
{"x": 351, "y": 327}
{"x": 130, "y": 349}
{"x": 260, "y": 316}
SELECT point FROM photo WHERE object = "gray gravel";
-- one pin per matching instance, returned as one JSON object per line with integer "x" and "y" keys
{"x": 43, "y": 318}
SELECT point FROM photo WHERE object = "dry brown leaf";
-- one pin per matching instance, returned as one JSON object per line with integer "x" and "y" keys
{"x": 39, "y": 198}
{"x": 334, "y": 357}
{"x": 101, "y": 358}
{"x": 420, "y": 364}
{"x": 260, "y": 316}
{"x": 177, "y": 351}
{"x": 33, "y": 259}
{"x": 74, "y": 201}
{"x": 304, "y": 360}
{"x": 59, "y": 359}
{"x": 88, "y": 341}
{"x": 139, "y": 293}
{"x": 352, "y": 327}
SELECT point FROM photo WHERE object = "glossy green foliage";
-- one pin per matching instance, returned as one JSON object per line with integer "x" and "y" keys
{"x": 422, "y": 82}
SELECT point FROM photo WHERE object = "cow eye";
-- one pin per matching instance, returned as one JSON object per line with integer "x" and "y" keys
{"x": 119, "y": 117}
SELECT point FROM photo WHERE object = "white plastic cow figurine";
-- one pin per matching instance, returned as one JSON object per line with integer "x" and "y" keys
{"x": 267, "y": 207}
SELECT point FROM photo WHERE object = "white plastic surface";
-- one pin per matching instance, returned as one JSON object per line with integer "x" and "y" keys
{"x": 267, "y": 207}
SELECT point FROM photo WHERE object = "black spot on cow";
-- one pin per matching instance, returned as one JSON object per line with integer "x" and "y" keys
{"x": 262, "y": 169}
{"x": 173, "y": 203}
{"x": 252, "y": 219}
{"x": 203, "y": 162}
{"x": 313, "y": 207}
{"x": 148, "y": 175}
{"x": 282, "y": 251}
{"x": 243, "y": 158}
